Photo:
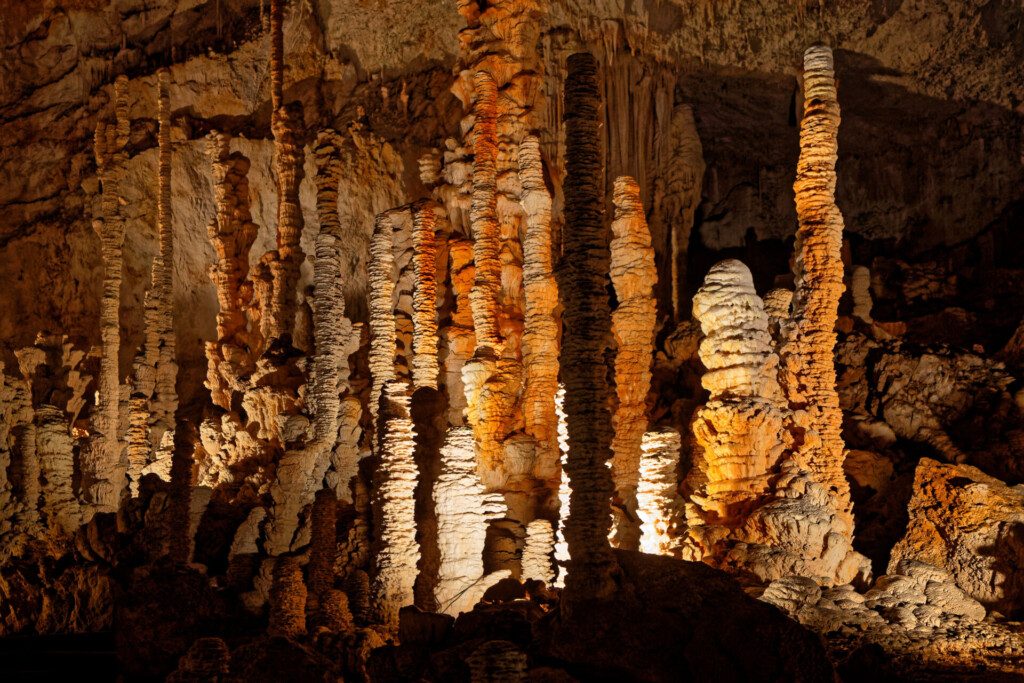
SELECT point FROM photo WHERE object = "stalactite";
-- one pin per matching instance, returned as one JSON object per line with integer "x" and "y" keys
{"x": 537, "y": 553}
{"x": 55, "y": 452}
{"x": 285, "y": 123}
{"x": 464, "y": 511}
{"x": 659, "y": 505}
{"x": 541, "y": 329}
{"x": 483, "y": 215}
{"x": 424, "y": 364}
{"x": 287, "y": 599}
{"x": 587, "y": 335}
{"x": 809, "y": 374}
{"x": 104, "y": 473}
{"x": 634, "y": 276}
{"x": 683, "y": 185}
{"x": 232, "y": 233}
{"x": 382, "y": 315}
{"x": 301, "y": 471}
{"x": 395, "y": 551}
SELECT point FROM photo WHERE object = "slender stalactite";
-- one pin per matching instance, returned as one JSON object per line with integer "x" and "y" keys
{"x": 424, "y": 299}
{"x": 395, "y": 551}
{"x": 301, "y": 471}
{"x": 382, "y": 314}
{"x": 105, "y": 474}
{"x": 483, "y": 214}
{"x": 286, "y": 123}
{"x": 634, "y": 276}
{"x": 537, "y": 553}
{"x": 683, "y": 187}
{"x": 809, "y": 374}
{"x": 541, "y": 329}
{"x": 587, "y": 318}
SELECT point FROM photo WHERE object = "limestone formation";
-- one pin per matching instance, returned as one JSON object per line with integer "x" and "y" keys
{"x": 683, "y": 186}
{"x": 634, "y": 277}
{"x": 464, "y": 511}
{"x": 777, "y": 303}
{"x": 497, "y": 661}
{"x": 538, "y": 551}
{"x": 860, "y": 292}
{"x": 287, "y": 599}
{"x": 54, "y": 450}
{"x": 541, "y": 325}
{"x": 323, "y": 552}
{"x": 383, "y": 348}
{"x": 587, "y": 321}
{"x": 425, "y": 366}
{"x": 809, "y": 375}
{"x": 395, "y": 551}
{"x": 104, "y": 473}
{"x": 967, "y": 523}
{"x": 660, "y": 508}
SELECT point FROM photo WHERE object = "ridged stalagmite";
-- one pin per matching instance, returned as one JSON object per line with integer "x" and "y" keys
{"x": 301, "y": 471}
{"x": 104, "y": 472}
{"x": 464, "y": 511}
{"x": 424, "y": 299}
{"x": 541, "y": 328}
{"x": 538, "y": 552}
{"x": 383, "y": 348}
{"x": 287, "y": 599}
{"x": 587, "y": 319}
{"x": 395, "y": 550}
{"x": 55, "y": 452}
{"x": 807, "y": 353}
{"x": 634, "y": 277}
{"x": 659, "y": 505}
{"x": 683, "y": 185}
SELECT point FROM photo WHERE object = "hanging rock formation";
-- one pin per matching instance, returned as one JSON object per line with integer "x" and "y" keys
{"x": 587, "y": 336}
{"x": 633, "y": 321}
{"x": 464, "y": 511}
{"x": 684, "y": 182}
{"x": 104, "y": 474}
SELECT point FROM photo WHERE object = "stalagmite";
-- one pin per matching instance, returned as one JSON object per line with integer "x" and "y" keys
{"x": 860, "y": 292}
{"x": 382, "y": 314}
{"x": 287, "y": 599}
{"x": 634, "y": 276}
{"x": 286, "y": 123}
{"x": 104, "y": 472}
{"x": 301, "y": 471}
{"x": 483, "y": 215}
{"x": 425, "y": 350}
{"x": 154, "y": 396}
{"x": 809, "y": 374}
{"x": 587, "y": 321}
{"x": 683, "y": 185}
{"x": 541, "y": 325}
{"x": 54, "y": 450}
{"x": 323, "y": 551}
{"x": 561, "y": 547}
{"x": 537, "y": 553}
{"x": 395, "y": 551}
{"x": 464, "y": 511}
{"x": 232, "y": 233}
{"x": 659, "y": 506}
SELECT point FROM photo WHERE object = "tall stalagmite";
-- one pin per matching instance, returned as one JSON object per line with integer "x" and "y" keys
{"x": 809, "y": 374}
{"x": 634, "y": 276}
{"x": 583, "y": 287}
{"x": 286, "y": 124}
{"x": 541, "y": 328}
{"x": 395, "y": 551}
{"x": 463, "y": 513}
{"x": 301, "y": 471}
{"x": 424, "y": 299}
{"x": 104, "y": 472}
{"x": 383, "y": 348}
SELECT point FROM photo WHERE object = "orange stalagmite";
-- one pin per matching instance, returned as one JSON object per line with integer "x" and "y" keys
{"x": 104, "y": 472}
{"x": 807, "y": 352}
{"x": 583, "y": 287}
{"x": 634, "y": 276}
{"x": 424, "y": 298}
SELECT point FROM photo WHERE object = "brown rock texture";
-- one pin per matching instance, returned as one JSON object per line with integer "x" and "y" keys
{"x": 287, "y": 599}
{"x": 809, "y": 374}
{"x": 683, "y": 186}
{"x": 587, "y": 321}
{"x": 103, "y": 470}
{"x": 969, "y": 524}
{"x": 634, "y": 277}
{"x": 424, "y": 301}
{"x": 383, "y": 348}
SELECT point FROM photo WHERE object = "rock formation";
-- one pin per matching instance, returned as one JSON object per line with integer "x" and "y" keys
{"x": 104, "y": 473}
{"x": 660, "y": 508}
{"x": 424, "y": 364}
{"x": 287, "y": 599}
{"x": 683, "y": 186}
{"x": 464, "y": 511}
{"x": 634, "y": 277}
{"x": 587, "y": 321}
{"x": 383, "y": 348}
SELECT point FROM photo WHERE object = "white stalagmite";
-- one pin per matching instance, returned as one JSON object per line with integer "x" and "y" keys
{"x": 383, "y": 348}
{"x": 537, "y": 553}
{"x": 659, "y": 506}
{"x": 464, "y": 510}
{"x": 561, "y": 547}
{"x": 424, "y": 301}
{"x": 395, "y": 550}
{"x": 634, "y": 277}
